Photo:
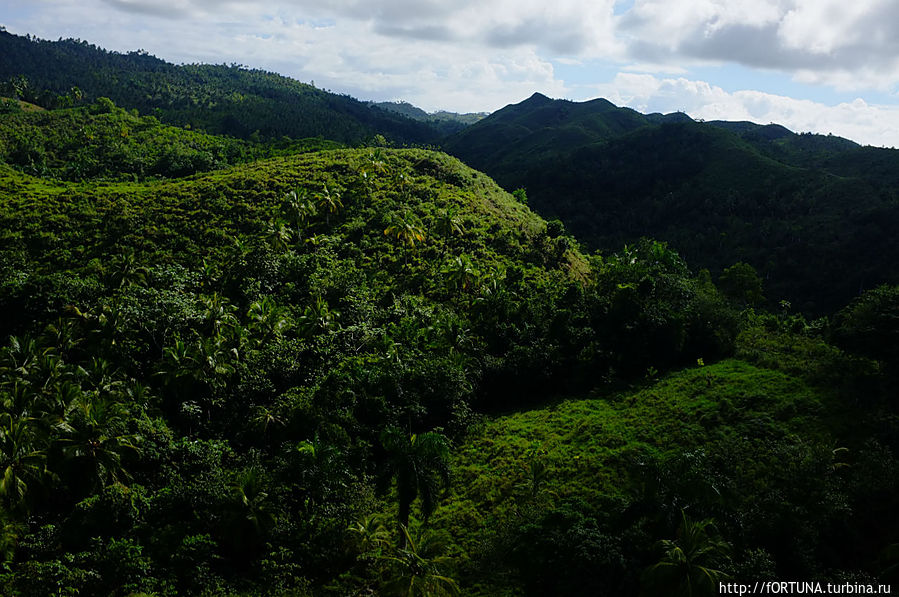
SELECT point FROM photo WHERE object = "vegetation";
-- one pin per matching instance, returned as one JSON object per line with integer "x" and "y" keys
{"x": 287, "y": 367}
{"x": 446, "y": 122}
{"x": 223, "y": 99}
{"x": 812, "y": 214}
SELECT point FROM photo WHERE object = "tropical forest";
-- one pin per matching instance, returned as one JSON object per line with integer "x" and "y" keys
{"x": 262, "y": 339}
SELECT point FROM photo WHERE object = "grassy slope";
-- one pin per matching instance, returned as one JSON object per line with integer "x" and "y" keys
{"x": 781, "y": 386}
{"x": 588, "y": 443}
{"x": 110, "y": 143}
{"x": 81, "y": 230}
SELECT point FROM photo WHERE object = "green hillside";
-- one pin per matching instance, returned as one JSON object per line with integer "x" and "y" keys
{"x": 268, "y": 364}
{"x": 719, "y": 193}
{"x": 224, "y": 353}
{"x": 446, "y": 122}
{"x": 221, "y": 99}
{"x": 101, "y": 141}
{"x": 572, "y": 498}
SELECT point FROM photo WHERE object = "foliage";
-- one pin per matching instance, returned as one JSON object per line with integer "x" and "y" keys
{"x": 226, "y": 363}
{"x": 224, "y": 99}
{"x": 812, "y": 214}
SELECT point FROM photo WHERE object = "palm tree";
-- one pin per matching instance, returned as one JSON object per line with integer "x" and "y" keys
{"x": 420, "y": 465}
{"x": 269, "y": 320}
{"x": 406, "y": 229}
{"x": 10, "y": 531}
{"x": 686, "y": 567}
{"x": 448, "y": 223}
{"x": 22, "y": 467}
{"x": 461, "y": 272}
{"x": 278, "y": 235}
{"x": 299, "y": 208}
{"x": 329, "y": 200}
{"x": 253, "y": 512}
{"x": 372, "y": 536}
{"x": 317, "y": 317}
{"x": 415, "y": 568}
{"x": 95, "y": 439}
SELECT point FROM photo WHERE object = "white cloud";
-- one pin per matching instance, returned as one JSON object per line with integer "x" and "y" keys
{"x": 848, "y": 45}
{"x": 353, "y": 55}
{"x": 856, "y": 120}
{"x": 476, "y": 55}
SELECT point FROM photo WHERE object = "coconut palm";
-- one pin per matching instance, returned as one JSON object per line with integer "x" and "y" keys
{"x": 269, "y": 320}
{"x": 461, "y": 272}
{"x": 317, "y": 317}
{"x": 23, "y": 467}
{"x": 448, "y": 223}
{"x": 414, "y": 568}
{"x": 420, "y": 465}
{"x": 95, "y": 438}
{"x": 10, "y": 531}
{"x": 687, "y": 567}
{"x": 298, "y": 208}
{"x": 406, "y": 228}
{"x": 372, "y": 536}
{"x": 329, "y": 201}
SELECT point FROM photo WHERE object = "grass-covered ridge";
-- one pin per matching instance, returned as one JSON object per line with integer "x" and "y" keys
{"x": 101, "y": 141}
{"x": 260, "y": 343}
{"x": 543, "y": 498}
{"x": 353, "y": 192}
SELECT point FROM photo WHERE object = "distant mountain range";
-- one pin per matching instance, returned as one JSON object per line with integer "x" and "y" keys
{"x": 814, "y": 214}
{"x": 447, "y": 122}
{"x": 220, "y": 99}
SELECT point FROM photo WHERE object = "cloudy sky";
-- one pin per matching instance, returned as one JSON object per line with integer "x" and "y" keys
{"x": 828, "y": 66}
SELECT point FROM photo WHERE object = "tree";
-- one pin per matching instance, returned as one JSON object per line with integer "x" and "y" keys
{"x": 420, "y": 465}
{"x": 741, "y": 283}
{"x": 461, "y": 272}
{"x": 96, "y": 439}
{"x": 686, "y": 567}
{"x": 406, "y": 228}
{"x": 298, "y": 209}
{"x": 415, "y": 568}
{"x": 329, "y": 201}
{"x": 22, "y": 467}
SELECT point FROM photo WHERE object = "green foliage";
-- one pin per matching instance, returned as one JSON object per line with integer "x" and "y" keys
{"x": 685, "y": 567}
{"x": 870, "y": 325}
{"x": 230, "y": 100}
{"x": 101, "y": 141}
{"x": 420, "y": 465}
{"x": 718, "y": 193}
{"x": 741, "y": 283}
{"x": 219, "y": 351}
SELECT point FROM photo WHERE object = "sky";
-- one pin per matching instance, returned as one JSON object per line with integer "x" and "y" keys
{"x": 824, "y": 66}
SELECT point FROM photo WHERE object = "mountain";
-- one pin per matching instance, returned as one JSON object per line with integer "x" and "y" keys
{"x": 446, "y": 122}
{"x": 212, "y": 365}
{"x": 274, "y": 366}
{"x": 220, "y": 99}
{"x": 811, "y": 213}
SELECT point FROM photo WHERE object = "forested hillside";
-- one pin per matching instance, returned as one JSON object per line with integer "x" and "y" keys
{"x": 811, "y": 213}
{"x": 102, "y": 141}
{"x": 446, "y": 122}
{"x": 222, "y": 99}
{"x": 281, "y": 366}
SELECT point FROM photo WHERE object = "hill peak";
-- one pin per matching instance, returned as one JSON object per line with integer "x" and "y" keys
{"x": 538, "y": 97}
